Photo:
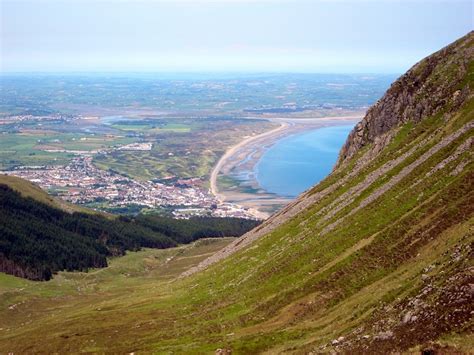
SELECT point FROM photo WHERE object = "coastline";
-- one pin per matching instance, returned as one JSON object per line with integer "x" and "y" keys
{"x": 246, "y": 154}
{"x": 232, "y": 150}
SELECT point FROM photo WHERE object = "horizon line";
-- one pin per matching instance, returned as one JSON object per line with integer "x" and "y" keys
{"x": 342, "y": 72}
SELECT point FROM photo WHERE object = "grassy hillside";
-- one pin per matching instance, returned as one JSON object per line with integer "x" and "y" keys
{"x": 29, "y": 189}
{"x": 375, "y": 258}
{"x": 37, "y": 238}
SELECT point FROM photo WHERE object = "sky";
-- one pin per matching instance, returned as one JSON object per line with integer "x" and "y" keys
{"x": 318, "y": 36}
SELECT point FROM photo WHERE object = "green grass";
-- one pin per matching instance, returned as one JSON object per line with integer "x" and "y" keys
{"x": 28, "y": 189}
{"x": 152, "y": 128}
{"x": 126, "y": 278}
{"x": 178, "y": 152}
{"x": 20, "y": 150}
{"x": 28, "y": 148}
{"x": 88, "y": 142}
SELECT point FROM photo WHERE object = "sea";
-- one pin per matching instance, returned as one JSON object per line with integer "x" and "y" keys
{"x": 297, "y": 162}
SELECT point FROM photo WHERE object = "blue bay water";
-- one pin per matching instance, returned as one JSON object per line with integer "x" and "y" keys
{"x": 297, "y": 162}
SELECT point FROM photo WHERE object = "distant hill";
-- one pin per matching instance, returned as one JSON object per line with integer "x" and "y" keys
{"x": 40, "y": 235}
{"x": 37, "y": 239}
{"x": 29, "y": 189}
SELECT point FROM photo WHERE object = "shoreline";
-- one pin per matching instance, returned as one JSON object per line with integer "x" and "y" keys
{"x": 246, "y": 154}
{"x": 232, "y": 150}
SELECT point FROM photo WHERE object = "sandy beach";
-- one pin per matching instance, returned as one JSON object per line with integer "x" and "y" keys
{"x": 247, "y": 153}
{"x": 233, "y": 150}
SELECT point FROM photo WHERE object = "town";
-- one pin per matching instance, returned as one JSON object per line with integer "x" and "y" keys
{"x": 80, "y": 182}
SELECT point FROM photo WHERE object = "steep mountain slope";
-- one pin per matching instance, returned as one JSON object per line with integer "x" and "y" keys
{"x": 375, "y": 258}
{"x": 440, "y": 84}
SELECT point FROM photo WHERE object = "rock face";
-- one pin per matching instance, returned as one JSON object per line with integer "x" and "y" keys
{"x": 421, "y": 92}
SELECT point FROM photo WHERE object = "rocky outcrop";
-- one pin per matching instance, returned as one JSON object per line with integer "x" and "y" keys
{"x": 428, "y": 87}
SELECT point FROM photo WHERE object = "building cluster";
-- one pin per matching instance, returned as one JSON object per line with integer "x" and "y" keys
{"x": 81, "y": 182}
{"x": 36, "y": 118}
{"x": 136, "y": 146}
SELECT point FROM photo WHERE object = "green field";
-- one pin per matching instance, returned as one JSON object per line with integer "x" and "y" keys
{"x": 126, "y": 279}
{"x": 149, "y": 128}
{"x": 18, "y": 149}
{"x": 83, "y": 142}
{"x": 179, "y": 150}
{"x": 182, "y": 147}
{"x": 142, "y": 268}
{"x": 28, "y": 189}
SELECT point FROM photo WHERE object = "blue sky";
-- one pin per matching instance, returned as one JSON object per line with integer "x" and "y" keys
{"x": 386, "y": 36}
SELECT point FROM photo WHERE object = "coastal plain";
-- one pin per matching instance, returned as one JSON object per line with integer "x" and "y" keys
{"x": 166, "y": 133}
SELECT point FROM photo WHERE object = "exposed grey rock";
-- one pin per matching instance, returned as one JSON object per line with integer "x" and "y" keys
{"x": 384, "y": 335}
{"x": 414, "y": 96}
